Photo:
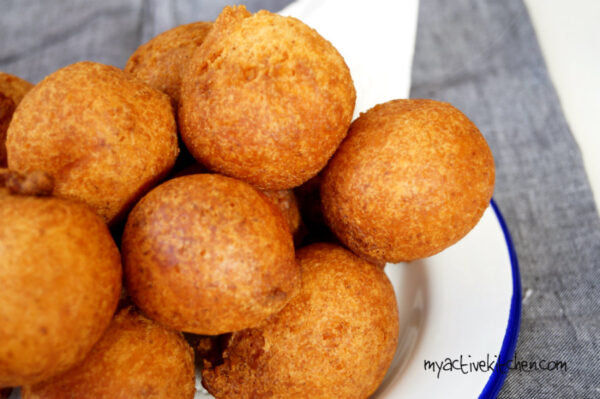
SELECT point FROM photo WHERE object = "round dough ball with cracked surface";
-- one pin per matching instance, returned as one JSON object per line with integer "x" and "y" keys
{"x": 335, "y": 339}
{"x": 208, "y": 254}
{"x": 265, "y": 99}
{"x": 412, "y": 178}
{"x": 60, "y": 273}
{"x": 135, "y": 358}
{"x": 285, "y": 201}
{"x": 160, "y": 62}
{"x": 104, "y": 136}
{"x": 12, "y": 91}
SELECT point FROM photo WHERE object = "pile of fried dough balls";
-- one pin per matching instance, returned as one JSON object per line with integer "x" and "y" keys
{"x": 181, "y": 195}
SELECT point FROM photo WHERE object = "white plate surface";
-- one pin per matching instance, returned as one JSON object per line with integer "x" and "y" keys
{"x": 455, "y": 304}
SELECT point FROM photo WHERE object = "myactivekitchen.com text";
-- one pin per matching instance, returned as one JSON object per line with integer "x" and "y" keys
{"x": 465, "y": 364}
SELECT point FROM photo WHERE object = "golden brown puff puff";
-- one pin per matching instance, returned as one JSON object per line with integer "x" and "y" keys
{"x": 285, "y": 201}
{"x": 60, "y": 273}
{"x": 12, "y": 91}
{"x": 335, "y": 339}
{"x": 161, "y": 61}
{"x": 105, "y": 136}
{"x": 208, "y": 254}
{"x": 412, "y": 178}
{"x": 265, "y": 99}
{"x": 14, "y": 87}
{"x": 135, "y": 358}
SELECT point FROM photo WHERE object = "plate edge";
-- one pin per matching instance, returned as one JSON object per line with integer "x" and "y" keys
{"x": 509, "y": 343}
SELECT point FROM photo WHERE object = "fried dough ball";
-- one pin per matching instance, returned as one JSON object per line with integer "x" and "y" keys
{"x": 208, "y": 254}
{"x": 104, "y": 136}
{"x": 12, "y": 90}
{"x": 161, "y": 61}
{"x": 265, "y": 99}
{"x": 14, "y": 87}
{"x": 335, "y": 339}
{"x": 60, "y": 273}
{"x": 135, "y": 358}
{"x": 412, "y": 178}
{"x": 35, "y": 183}
{"x": 286, "y": 202}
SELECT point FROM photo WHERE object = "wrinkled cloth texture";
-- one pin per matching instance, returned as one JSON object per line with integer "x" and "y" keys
{"x": 39, "y": 37}
{"x": 483, "y": 57}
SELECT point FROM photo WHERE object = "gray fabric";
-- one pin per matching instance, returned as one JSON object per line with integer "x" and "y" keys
{"x": 480, "y": 55}
{"x": 38, "y": 37}
{"x": 483, "y": 57}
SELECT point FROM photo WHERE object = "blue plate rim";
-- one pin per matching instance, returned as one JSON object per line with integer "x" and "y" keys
{"x": 509, "y": 343}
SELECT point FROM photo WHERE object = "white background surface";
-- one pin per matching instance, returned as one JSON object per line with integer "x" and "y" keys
{"x": 569, "y": 34}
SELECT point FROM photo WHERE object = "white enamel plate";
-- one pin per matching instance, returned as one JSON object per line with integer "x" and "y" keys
{"x": 465, "y": 301}
{"x": 459, "y": 317}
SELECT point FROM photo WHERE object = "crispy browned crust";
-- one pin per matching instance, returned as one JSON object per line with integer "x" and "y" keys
{"x": 14, "y": 87}
{"x": 103, "y": 135}
{"x": 36, "y": 183}
{"x": 286, "y": 202}
{"x": 208, "y": 347}
{"x": 161, "y": 61}
{"x": 61, "y": 278}
{"x": 265, "y": 99}
{"x": 208, "y": 254}
{"x": 135, "y": 358}
{"x": 12, "y": 91}
{"x": 335, "y": 339}
{"x": 7, "y": 108}
{"x": 412, "y": 178}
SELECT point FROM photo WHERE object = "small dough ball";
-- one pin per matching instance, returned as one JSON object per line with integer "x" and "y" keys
{"x": 286, "y": 202}
{"x": 208, "y": 254}
{"x": 12, "y": 90}
{"x": 104, "y": 136}
{"x": 265, "y": 99}
{"x": 61, "y": 279}
{"x": 161, "y": 61}
{"x": 335, "y": 339}
{"x": 135, "y": 358}
{"x": 14, "y": 87}
{"x": 412, "y": 178}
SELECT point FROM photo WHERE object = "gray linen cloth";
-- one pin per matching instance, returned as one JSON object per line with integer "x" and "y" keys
{"x": 38, "y": 37}
{"x": 480, "y": 55}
